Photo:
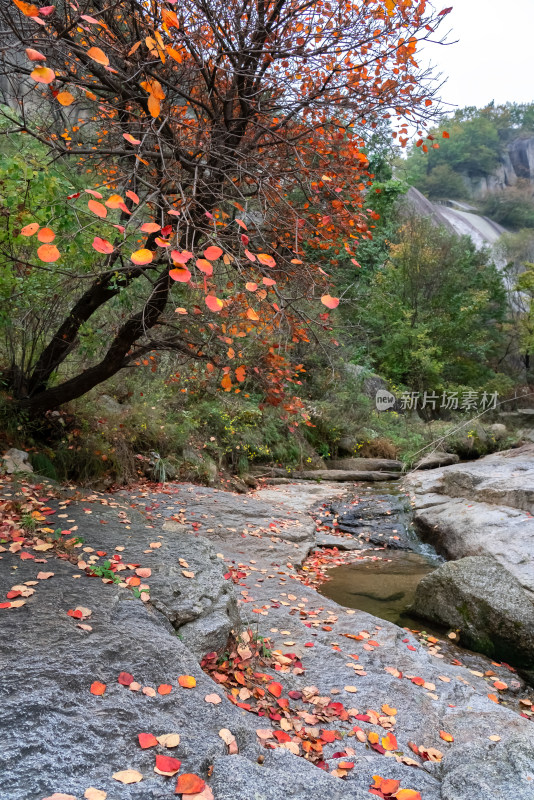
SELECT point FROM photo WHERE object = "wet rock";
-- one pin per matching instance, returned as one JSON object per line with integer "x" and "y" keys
{"x": 16, "y": 461}
{"x": 489, "y": 607}
{"x": 437, "y": 459}
{"x": 348, "y": 475}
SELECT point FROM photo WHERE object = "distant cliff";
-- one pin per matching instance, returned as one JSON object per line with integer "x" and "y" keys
{"x": 515, "y": 164}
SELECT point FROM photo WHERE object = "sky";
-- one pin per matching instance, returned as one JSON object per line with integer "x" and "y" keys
{"x": 493, "y": 59}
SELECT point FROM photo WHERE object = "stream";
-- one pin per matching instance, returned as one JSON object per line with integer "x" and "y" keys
{"x": 391, "y": 558}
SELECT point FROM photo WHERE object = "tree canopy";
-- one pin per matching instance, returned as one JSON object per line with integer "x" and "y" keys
{"x": 206, "y": 142}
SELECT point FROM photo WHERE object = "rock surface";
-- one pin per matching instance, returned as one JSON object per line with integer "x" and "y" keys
{"x": 437, "y": 459}
{"x": 58, "y": 737}
{"x": 371, "y": 464}
{"x": 15, "y": 460}
{"x": 476, "y": 596}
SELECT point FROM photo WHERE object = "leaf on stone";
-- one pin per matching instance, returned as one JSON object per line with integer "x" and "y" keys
{"x": 149, "y": 691}
{"x": 169, "y": 740}
{"x": 97, "y": 688}
{"x": 391, "y": 712}
{"x": 189, "y": 783}
{"x": 125, "y": 679}
{"x": 147, "y": 740}
{"x": 164, "y": 688}
{"x": 275, "y": 688}
{"x": 407, "y": 794}
{"x": 166, "y": 765}
{"x": 187, "y": 681}
{"x": 60, "y": 796}
{"x": 389, "y": 742}
{"x": 94, "y": 794}
{"x": 127, "y": 776}
{"x": 213, "y": 698}
{"x": 143, "y": 572}
{"x": 447, "y": 737}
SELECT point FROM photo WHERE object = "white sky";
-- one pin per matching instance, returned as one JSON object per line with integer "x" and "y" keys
{"x": 494, "y": 56}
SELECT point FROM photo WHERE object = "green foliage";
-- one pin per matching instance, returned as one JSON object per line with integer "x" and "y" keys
{"x": 511, "y": 208}
{"x": 433, "y": 310}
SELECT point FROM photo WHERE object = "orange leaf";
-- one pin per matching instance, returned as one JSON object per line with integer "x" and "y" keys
{"x": 251, "y": 314}
{"x": 97, "y": 688}
{"x": 240, "y": 374}
{"x": 447, "y": 737}
{"x": 181, "y": 258}
{"x": 130, "y": 138}
{"x": 204, "y": 266}
{"x": 46, "y": 235}
{"x": 43, "y": 75}
{"x": 189, "y": 783}
{"x": 251, "y": 287}
{"x": 213, "y": 253}
{"x": 102, "y": 245}
{"x": 147, "y": 740}
{"x": 65, "y": 98}
{"x": 143, "y": 572}
{"x": 154, "y": 105}
{"x": 29, "y": 230}
{"x": 48, "y": 253}
{"x": 28, "y": 9}
{"x": 250, "y": 256}
{"x": 97, "y": 208}
{"x": 329, "y": 302}
{"x": 142, "y": 256}
{"x": 500, "y": 685}
{"x": 150, "y": 227}
{"x": 213, "y": 303}
{"x": 182, "y": 275}
{"x": 389, "y": 710}
{"x": 226, "y": 382}
{"x": 389, "y": 786}
{"x": 98, "y": 55}
{"x": 407, "y": 794}
{"x": 165, "y": 688}
{"x": 389, "y": 742}
{"x": 275, "y": 688}
{"x": 269, "y": 261}
{"x": 187, "y": 681}
{"x": 268, "y": 282}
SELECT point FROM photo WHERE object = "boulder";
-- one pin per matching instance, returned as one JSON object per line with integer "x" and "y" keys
{"x": 482, "y": 600}
{"x": 336, "y": 475}
{"x": 16, "y": 461}
{"x": 438, "y": 458}
{"x": 370, "y": 382}
{"x": 498, "y": 430}
{"x": 371, "y": 464}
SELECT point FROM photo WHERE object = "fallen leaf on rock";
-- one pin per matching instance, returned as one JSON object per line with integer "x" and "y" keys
{"x": 230, "y": 740}
{"x": 169, "y": 740}
{"x": 500, "y": 685}
{"x": 213, "y": 698}
{"x": 164, "y": 688}
{"x": 407, "y": 794}
{"x": 447, "y": 737}
{"x": 147, "y": 740}
{"x": 84, "y": 627}
{"x": 43, "y": 576}
{"x": 97, "y": 688}
{"x": 127, "y": 776}
{"x": 187, "y": 681}
{"x": 125, "y": 679}
{"x": 149, "y": 691}
{"x": 187, "y": 573}
{"x": 95, "y": 794}
{"x": 275, "y": 688}
{"x": 154, "y": 545}
{"x": 389, "y": 742}
{"x": 189, "y": 783}
{"x": 494, "y": 738}
{"x": 350, "y": 689}
{"x": 134, "y": 686}
{"x": 166, "y": 765}
{"x": 60, "y": 796}
{"x": 389, "y": 710}
{"x": 143, "y": 572}
{"x": 264, "y": 733}
{"x": 205, "y": 794}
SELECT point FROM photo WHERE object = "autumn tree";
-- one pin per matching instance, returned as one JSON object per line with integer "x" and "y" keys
{"x": 220, "y": 137}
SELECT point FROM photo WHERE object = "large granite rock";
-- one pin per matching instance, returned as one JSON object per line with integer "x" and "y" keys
{"x": 364, "y": 464}
{"x": 58, "y": 737}
{"x": 438, "y": 458}
{"x": 483, "y": 507}
{"x": 15, "y": 460}
{"x": 489, "y": 607}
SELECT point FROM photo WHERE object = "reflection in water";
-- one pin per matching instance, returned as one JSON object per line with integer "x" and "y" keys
{"x": 384, "y": 587}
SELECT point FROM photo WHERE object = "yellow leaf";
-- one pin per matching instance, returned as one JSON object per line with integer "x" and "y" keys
{"x": 154, "y": 105}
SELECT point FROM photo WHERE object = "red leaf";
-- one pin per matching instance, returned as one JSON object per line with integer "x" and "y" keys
{"x": 125, "y": 679}
{"x": 275, "y": 688}
{"x": 167, "y": 765}
{"x": 102, "y": 245}
{"x": 147, "y": 740}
